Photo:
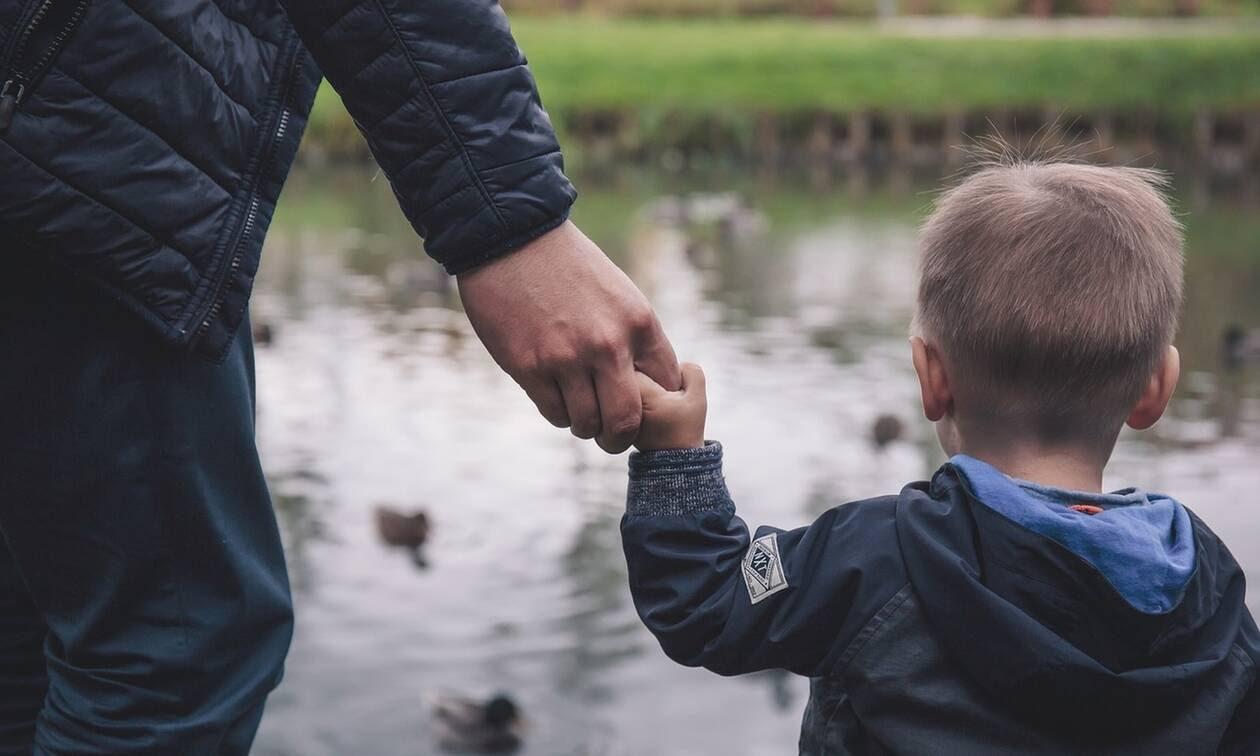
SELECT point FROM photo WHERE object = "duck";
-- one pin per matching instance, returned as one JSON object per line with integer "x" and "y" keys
{"x": 1239, "y": 347}
{"x": 470, "y": 726}
{"x": 885, "y": 430}
{"x": 398, "y": 529}
{"x": 407, "y": 531}
{"x": 264, "y": 334}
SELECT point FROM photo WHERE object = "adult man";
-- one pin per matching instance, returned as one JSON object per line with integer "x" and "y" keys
{"x": 144, "y": 607}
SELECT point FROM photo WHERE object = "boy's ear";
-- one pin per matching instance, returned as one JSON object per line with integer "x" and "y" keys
{"x": 1159, "y": 390}
{"x": 938, "y": 397}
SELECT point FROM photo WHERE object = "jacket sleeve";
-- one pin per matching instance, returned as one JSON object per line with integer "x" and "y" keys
{"x": 451, "y": 112}
{"x": 1242, "y": 737}
{"x": 718, "y": 598}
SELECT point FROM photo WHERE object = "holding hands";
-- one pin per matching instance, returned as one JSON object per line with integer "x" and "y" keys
{"x": 572, "y": 329}
{"x": 673, "y": 419}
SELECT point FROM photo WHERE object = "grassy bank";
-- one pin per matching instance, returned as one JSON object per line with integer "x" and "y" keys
{"x": 870, "y": 8}
{"x": 736, "y": 68}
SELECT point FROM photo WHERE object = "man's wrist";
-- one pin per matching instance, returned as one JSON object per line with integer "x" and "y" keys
{"x": 507, "y": 247}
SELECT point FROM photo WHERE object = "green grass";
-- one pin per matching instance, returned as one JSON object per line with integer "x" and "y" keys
{"x": 869, "y": 8}
{"x": 798, "y": 65}
{"x": 733, "y": 67}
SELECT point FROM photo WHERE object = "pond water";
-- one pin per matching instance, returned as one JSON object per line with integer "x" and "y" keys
{"x": 794, "y": 293}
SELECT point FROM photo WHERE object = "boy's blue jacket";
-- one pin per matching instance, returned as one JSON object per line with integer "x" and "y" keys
{"x": 970, "y": 615}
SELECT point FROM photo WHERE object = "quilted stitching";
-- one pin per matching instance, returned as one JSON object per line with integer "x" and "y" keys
{"x": 173, "y": 40}
{"x": 166, "y": 194}
{"x": 170, "y": 140}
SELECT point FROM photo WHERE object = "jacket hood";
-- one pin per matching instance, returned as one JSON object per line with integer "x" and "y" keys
{"x": 1141, "y": 543}
{"x": 1108, "y": 621}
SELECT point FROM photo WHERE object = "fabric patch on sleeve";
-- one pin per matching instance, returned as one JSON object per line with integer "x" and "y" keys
{"x": 763, "y": 569}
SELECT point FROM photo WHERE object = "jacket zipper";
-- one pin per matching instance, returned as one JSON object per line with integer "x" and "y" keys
{"x": 19, "y": 80}
{"x": 247, "y": 230}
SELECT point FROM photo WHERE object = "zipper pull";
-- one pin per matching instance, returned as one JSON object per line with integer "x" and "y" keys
{"x": 10, "y": 97}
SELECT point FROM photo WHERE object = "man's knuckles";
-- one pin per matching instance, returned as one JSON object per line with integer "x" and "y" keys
{"x": 641, "y": 322}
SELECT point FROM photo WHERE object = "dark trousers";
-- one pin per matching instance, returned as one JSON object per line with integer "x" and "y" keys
{"x": 144, "y": 603}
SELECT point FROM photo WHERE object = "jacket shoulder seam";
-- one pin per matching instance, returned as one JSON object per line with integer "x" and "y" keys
{"x": 1247, "y": 661}
{"x": 877, "y": 621}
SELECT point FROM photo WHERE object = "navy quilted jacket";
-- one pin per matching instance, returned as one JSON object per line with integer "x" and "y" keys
{"x": 144, "y": 143}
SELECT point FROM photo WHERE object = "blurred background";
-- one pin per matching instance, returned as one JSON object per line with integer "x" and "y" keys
{"x": 759, "y": 168}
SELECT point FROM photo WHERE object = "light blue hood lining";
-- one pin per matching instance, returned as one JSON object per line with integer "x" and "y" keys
{"x": 1141, "y": 542}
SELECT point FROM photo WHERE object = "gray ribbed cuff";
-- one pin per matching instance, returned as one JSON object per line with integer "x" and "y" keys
{"x": 677, "y": 481}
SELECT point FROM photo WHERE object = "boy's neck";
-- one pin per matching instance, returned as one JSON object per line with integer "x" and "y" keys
{"x": 1058, "y": 468}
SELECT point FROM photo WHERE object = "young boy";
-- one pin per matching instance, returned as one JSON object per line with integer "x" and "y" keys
{"x": 1008, "y": 605}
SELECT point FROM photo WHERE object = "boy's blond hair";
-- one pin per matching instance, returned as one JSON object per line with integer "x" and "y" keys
{"x": 1052, "y": 290}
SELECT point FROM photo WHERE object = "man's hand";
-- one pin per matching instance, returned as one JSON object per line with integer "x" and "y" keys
{"x": 571, "y": 328}
{"x": 673, "y": 419}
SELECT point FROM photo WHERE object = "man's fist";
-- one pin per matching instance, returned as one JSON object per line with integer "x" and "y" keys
{"x": 673, "y": 419}
{"x": 571, "y": 328}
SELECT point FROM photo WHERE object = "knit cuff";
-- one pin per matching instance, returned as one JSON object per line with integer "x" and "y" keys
{"x": 677, "y": 481}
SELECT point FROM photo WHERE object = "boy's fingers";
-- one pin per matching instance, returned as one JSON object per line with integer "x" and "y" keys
{"x": 692, "y": 378}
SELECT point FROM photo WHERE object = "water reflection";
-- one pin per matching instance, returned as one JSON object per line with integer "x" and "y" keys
{"x": 794, "y": 295}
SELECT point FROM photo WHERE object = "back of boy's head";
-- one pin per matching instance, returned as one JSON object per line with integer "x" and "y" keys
{"x": 1052, "y": 290}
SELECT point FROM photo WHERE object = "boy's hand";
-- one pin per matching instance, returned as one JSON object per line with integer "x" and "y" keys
{"x": 673, "y": 419}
